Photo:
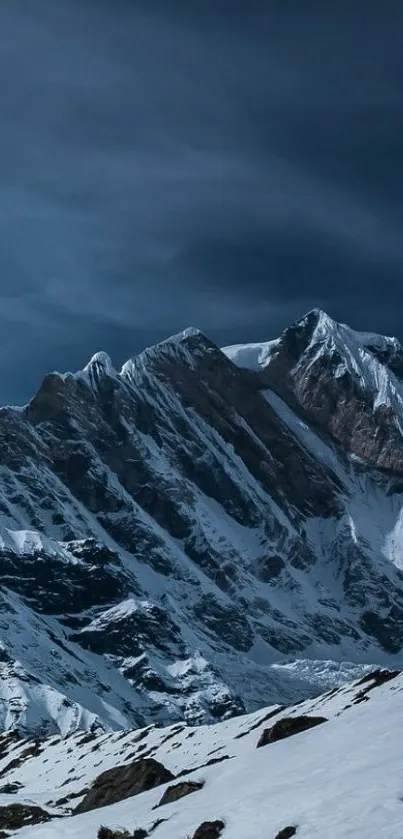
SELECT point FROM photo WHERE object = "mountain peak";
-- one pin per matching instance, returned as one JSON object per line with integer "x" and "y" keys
{"x": 101, "y": 361}
{"x": 186, "y": 346}
{"x": 316, "y": 324}
{"x": 99, "y": 368}
{"x": 321, "y": 326}
{"x": 318, "y": 319}
{"x": 190, "y": 334}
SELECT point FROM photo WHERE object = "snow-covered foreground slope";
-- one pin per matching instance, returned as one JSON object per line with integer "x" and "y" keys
{"x": 339, "y": 779}
{"x": 181, "y": 538}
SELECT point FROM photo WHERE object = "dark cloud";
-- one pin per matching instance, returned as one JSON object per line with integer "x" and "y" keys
{"x": 223, "y": 164}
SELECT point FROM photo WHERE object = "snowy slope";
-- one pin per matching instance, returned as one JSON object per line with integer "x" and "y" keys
{"x": 341, "y": 778}
{"x": 180, "y": 537}
{"x": 251, "y": 356}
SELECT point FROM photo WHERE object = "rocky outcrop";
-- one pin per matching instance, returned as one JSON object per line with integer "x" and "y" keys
{"x": 16, "y": 816}
{"x": 186, "y": 519}
{"x": 377, "y": 677}
{"x": 287, "y": 727}
{"x": 332, "y": 376}
{"x": 286, "y": 832}
{"x": 123, "y": 782}
{"x": 209, "y": 830}
{"x": 110, "y": 833}
{"x": 177, "y": 791}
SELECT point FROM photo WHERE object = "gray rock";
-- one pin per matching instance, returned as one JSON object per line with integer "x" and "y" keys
{"x": 287, "y": 727}
{"x": 123, "y": 782}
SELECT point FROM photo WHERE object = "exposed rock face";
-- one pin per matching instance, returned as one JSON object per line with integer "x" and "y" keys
{"x": 109, "y": 833}
{"x": 177, "y": 791}
{"x": 287, "y": 727}
{"x": 287, "y": 832}
{"x": 15, "y": 816}
{"x": 335, "y": 377}
{"x": 191, "y": 521}
{"x": 377, "y": 677}
{"x": 209, "y": 830}
{"x": 123, "y": 782}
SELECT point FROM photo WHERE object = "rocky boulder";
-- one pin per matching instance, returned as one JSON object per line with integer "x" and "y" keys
{"x": 209, "y": 830}
{"x": 15, "y": 816}
{"x": 123, "y": 782}
{"x": 110, "y": 833}
{"x": 177, "y": 791}
{"x": 287, "y": 727}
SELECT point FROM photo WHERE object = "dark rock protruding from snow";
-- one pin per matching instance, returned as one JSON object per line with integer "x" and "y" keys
{"x": 209, "y": 830}
{"x": 378, "y": 677}
{"x": 15, "y": 816}
{"x": 123, "y": 782}
{"x": 287, "y": 832}
{"x": 109, "y": 833}
{"x": 177, "y": 791}
{"x": 287, "y": 727}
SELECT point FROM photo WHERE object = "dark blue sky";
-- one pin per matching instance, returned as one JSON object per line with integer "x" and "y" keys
{"x": 217, "y": 163}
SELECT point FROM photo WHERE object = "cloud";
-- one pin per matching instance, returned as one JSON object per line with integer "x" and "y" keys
{"x": 228, "y": 165}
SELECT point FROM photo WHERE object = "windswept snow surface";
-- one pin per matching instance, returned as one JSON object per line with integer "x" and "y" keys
{"x": 250, "y": 356}
{"x": 340, "y": 779}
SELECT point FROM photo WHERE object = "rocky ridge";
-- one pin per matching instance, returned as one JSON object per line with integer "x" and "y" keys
{"x": 174, "y": 535}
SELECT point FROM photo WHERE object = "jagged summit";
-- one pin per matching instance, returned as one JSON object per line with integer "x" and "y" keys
{"x": 372, "y": 361}
{"x": 317, "y": 329}
{"x": 315, "y": 325}
{"x": 318, "y": 317}
{"x": 186, "y": 346}
{"x": 322, "y": 327}
{"x": 102, "y": 361}
{"x": 191, "y": 339}
{"x": 99, "y": 367}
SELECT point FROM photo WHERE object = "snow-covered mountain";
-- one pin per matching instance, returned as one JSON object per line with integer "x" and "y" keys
{"x": 202, "y": 532}
{"x": 329, "y": 767}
